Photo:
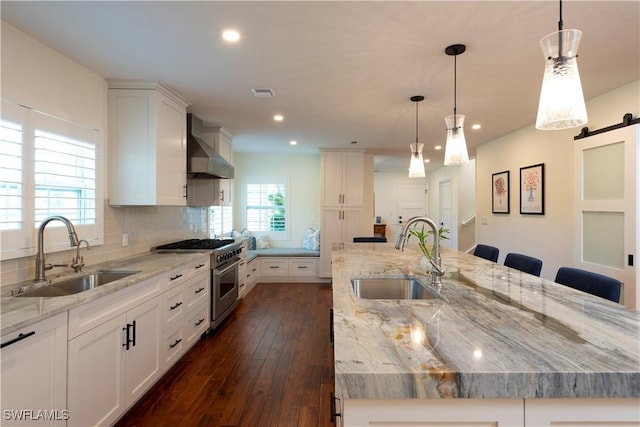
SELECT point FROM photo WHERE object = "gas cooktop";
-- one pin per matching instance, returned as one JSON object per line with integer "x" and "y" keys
{"x": 196, "y": 244}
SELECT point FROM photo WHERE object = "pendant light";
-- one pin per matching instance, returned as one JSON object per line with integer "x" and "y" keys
{"x": 455, "y": 152}
{"x": 561, "y": 103}
{"x": 416, "y": 167}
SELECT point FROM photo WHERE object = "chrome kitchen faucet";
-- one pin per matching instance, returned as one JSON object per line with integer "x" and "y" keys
{"x": 435, "y": 261}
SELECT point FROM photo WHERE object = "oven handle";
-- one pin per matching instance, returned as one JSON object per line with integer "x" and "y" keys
{"x": 221, "y": 272}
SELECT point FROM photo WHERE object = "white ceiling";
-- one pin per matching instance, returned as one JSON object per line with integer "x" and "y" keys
{"x": 342, "y": 71}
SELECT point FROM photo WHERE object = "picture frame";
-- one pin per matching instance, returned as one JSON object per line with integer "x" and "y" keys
{"x": 500, "y": 200}
{"x": 532, "y": 190}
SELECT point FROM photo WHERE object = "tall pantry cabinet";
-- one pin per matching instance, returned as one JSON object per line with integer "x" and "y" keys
{"x": 346, "y": 201}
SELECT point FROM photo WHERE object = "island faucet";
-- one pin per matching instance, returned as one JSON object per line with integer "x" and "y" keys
{"x": 436, "y": 263}
{"x": 41, "y": 267}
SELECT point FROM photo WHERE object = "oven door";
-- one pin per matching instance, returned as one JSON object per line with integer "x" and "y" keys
{"x": 224, "y": 292}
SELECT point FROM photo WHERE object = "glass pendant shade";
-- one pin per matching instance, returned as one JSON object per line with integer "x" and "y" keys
{"x": 416, "y": 167}
{"x": 455, "y": 152}
{"x": 561, "y": 103}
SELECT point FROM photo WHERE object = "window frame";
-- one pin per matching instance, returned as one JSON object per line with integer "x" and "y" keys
{"x": 265, "y": 180}
{"x": 18, "y": 243}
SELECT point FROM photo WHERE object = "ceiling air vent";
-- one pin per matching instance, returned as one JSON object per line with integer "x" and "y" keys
{"x": 263, "y": 93}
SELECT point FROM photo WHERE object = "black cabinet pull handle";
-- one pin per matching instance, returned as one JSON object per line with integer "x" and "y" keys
{"x": 177, "y": 276}
{"x": 199, "y": 322}
{"x": 173, "y": 307}
{"x": 127, "y": 337}
{"x": 199, "y": 290}
{"x": 199, "y": 266}
{"x": 175, "y": 343}
{"x": 274, "y": 266}
{"x": 133, "y": 342}
{"x": 20, "y": 337}
{"x": 331, "y": 325}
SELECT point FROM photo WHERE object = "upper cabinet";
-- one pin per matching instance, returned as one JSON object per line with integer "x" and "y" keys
{"x": 217, "y": 191}
{"x": 342, "y": 178}
{"x": 147, "y": 145}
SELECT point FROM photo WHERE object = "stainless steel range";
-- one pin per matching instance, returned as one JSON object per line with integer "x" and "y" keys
{"x": 225, "y": 259}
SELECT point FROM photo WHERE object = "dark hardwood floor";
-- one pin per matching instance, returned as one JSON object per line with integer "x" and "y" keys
{"x": 269, "y": 364}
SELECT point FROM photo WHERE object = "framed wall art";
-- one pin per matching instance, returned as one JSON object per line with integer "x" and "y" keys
{"x": 532, "y": 189}
{"x": 500, "y": 192}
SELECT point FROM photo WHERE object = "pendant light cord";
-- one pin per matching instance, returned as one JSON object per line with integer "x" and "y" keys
{"x": 416, "y": 152}
{"x": 455, "y": 87}
{"x": 560, "y": 25}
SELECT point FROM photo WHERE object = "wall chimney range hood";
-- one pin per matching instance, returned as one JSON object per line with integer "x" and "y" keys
{"x": 202, "y": 159}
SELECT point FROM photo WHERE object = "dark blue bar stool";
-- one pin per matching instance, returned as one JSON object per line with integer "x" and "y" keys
{"x": 589, "y": 282}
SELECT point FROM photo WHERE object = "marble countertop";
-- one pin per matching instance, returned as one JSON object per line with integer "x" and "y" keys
{"x": 18, "y": 312}
{"x": 494, "y": 333}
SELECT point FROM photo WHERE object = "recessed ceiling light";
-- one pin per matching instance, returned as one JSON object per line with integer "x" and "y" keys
{"x": 231, "y": 35}
{"x": 278, "y": 117}
{"x": 438, "y": 147}
{"x": 476, "y": 126}
{"x": 293, "y": 142}
{"x": 427, "y": 160}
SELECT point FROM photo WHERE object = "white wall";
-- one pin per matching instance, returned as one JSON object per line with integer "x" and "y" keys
{"x": 303, "y": 171}
{"x": 41, "y": 78}
{"x": 549, "y": 236}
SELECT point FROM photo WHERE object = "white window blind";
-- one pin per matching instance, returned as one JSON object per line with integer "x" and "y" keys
{"x": 48, "y": 166}
{"x": 11, "y": 170}
{"x": 267, "y": 206}
{"x": 220, "y": 220}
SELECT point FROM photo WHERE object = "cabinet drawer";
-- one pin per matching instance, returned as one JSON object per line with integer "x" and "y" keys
{"x": 197, "y": 289}
{"x": 197, "y": 323}
{"x": 302, "y": 267}
{"x": 174, "y": 346}
{"x": 181, "y": 274}
{"x": 274, "y": 267}
{"x": 89, "y": 315}
{"x": 174, "y": 304}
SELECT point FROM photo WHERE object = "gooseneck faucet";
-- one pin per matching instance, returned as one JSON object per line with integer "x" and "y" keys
{"x": 41, "y": 267}
{"x": 436, "y": 262}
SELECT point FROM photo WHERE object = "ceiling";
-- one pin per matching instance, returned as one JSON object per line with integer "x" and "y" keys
{"x": 342, "y": 72}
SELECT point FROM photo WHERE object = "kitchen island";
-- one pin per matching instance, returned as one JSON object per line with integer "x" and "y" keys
{"x": 498, "y": 346}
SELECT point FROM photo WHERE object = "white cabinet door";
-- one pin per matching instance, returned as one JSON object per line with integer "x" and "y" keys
{"x": 143, "y": 361}
{"x": 353, "y": 179}
{"x": 332, "y": 178}
{"x": 34, "y": 373}
{"x": 582, "y": 412}
{"x": 338, "y": 226}
{"x": 97, "y": 393}
{"x": 171, "y": 154}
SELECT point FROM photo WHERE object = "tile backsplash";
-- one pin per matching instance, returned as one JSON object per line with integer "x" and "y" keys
{"x": 146, "y": 227}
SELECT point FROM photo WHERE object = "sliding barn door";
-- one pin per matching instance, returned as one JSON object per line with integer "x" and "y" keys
{"x": 606, "y": 207}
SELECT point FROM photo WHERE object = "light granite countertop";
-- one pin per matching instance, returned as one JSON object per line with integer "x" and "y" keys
{"x": 18, "y": 312}
{"x": 494, "y": 333}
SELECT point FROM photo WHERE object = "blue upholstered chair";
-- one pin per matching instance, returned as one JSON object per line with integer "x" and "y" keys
{"x": 525, "y": 263}
{"x": 487, "y": 252}
{"x": 592, "y": 283}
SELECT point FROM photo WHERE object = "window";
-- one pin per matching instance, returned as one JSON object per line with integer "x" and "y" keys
{"x": 220, "y": 220}
{"x": 267, "y": 206}
{"x": 48, "y": 166}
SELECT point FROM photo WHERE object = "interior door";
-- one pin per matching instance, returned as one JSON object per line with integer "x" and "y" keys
{"x": 445, "y": 213}
{"x": 412, "y": 200}
{"x": 605, "y": 214}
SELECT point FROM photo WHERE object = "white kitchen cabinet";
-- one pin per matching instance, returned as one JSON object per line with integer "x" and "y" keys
{"x": 147, "y": 145}
{"x": 34, "y": 373}
{"x": 112, "y": 365}
{"x": 346, "y": 201}
{"x": 107, "y": 372}
{"x": 342, "y": 178}
{"x": 339, "y": 226}
{"x": 218, "y": 191}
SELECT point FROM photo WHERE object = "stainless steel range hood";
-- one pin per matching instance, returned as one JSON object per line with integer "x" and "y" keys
{"x": 202, "y": 160}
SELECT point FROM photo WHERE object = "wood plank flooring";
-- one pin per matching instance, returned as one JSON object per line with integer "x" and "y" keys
{"x": 269, "y": 364}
